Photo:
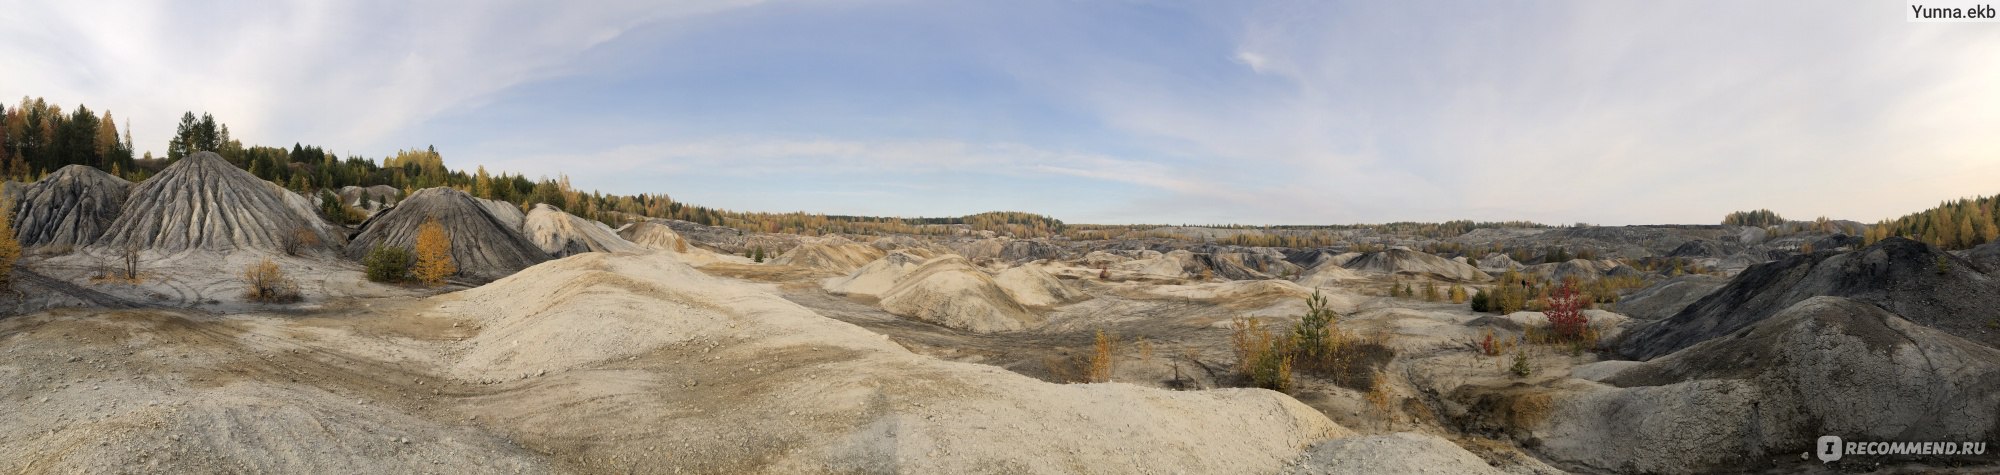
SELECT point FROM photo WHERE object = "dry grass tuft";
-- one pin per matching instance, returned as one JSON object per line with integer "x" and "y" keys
{"x": 1530, "y": 410}
{"x": 269, "y": 284}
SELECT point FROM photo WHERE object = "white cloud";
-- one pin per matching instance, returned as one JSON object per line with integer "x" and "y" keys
{"x": 347, "y": 74}
{"x": 1255, "y": 61}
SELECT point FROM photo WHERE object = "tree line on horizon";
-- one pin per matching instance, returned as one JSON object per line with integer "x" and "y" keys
{"x": 1951, "y": 225}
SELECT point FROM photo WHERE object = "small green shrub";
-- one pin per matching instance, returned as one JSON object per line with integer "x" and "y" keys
{"x": 388, "y": 264}
{"x": 1317, "y": 334}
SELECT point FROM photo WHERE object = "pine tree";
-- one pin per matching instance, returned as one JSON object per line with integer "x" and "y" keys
{"x": 433, "y": 254}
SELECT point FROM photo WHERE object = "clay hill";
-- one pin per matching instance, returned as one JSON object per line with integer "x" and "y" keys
{"x": 563, "y": 234}
{"x": 203, "y": 202}
{"x": 949, "y": 291}
{"x": 70, "y": 207}
{"x": 483, "y": 246}
{"x": 1034, "y": 287}
{"x": 1909, "y": 278}
{"x": 1824, "y": 365}
{"x": 830, "y": 254}
{"x": 1409, "y": 262}
{"x": 654, "y": 235}
{"x": 1666, "y": 298}
{"x": 507, "y": 213}
{"x": 877, "y": 277}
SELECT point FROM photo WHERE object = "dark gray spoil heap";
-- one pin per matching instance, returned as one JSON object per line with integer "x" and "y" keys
{"x": 70, "y": 207}
{"x": 1241, "y": 265}
{"x": 1706, "y": 248}
{"x": 203, "y": 202}
{"x": 1665, "y": 298}
{"x": 482, "y": 246}
{"x": 1612, "y": 242}
{"x": 1910, "y": 278}
{"x": 1824, "y": 365}
{"x": 1986, "y": 255}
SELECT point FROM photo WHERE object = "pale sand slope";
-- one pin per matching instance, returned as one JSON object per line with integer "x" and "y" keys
{"x": 877, "y": 277}
{"x": 644, "y": 353}
{"x": 561, "y": 234}
{"x": 1329, "y": 274}
{"x": 1034, "y": 287}
{"x": 508, "y": 214}
{"x": 1401, "y": 452}
{"x": 829, "y": 254}
{"x": 657, "y": 236}
{"x": 949, "y": 291}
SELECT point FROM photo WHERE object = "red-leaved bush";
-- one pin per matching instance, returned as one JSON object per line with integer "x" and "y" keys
{"x": 1565, "y": 313}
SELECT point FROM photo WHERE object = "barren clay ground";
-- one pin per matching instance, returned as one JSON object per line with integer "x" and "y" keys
{"x": 594, "y": 366}
{"x": 398, "y": 380}
{"x": 93, "y": 377}
{"x": 1189, "y": 347}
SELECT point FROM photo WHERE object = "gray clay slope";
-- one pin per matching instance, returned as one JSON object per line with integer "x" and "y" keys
{"x": 482, "y": 245}
{"x": 70, "y": 207}
{"x": 203, "y": 202}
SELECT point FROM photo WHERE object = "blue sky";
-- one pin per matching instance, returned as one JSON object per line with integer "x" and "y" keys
{"x": 1107, "y": 112}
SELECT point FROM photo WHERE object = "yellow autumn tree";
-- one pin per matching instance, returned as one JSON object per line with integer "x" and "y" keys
{"x": 10, "y": 249}
{"x": 433, "y": 254}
